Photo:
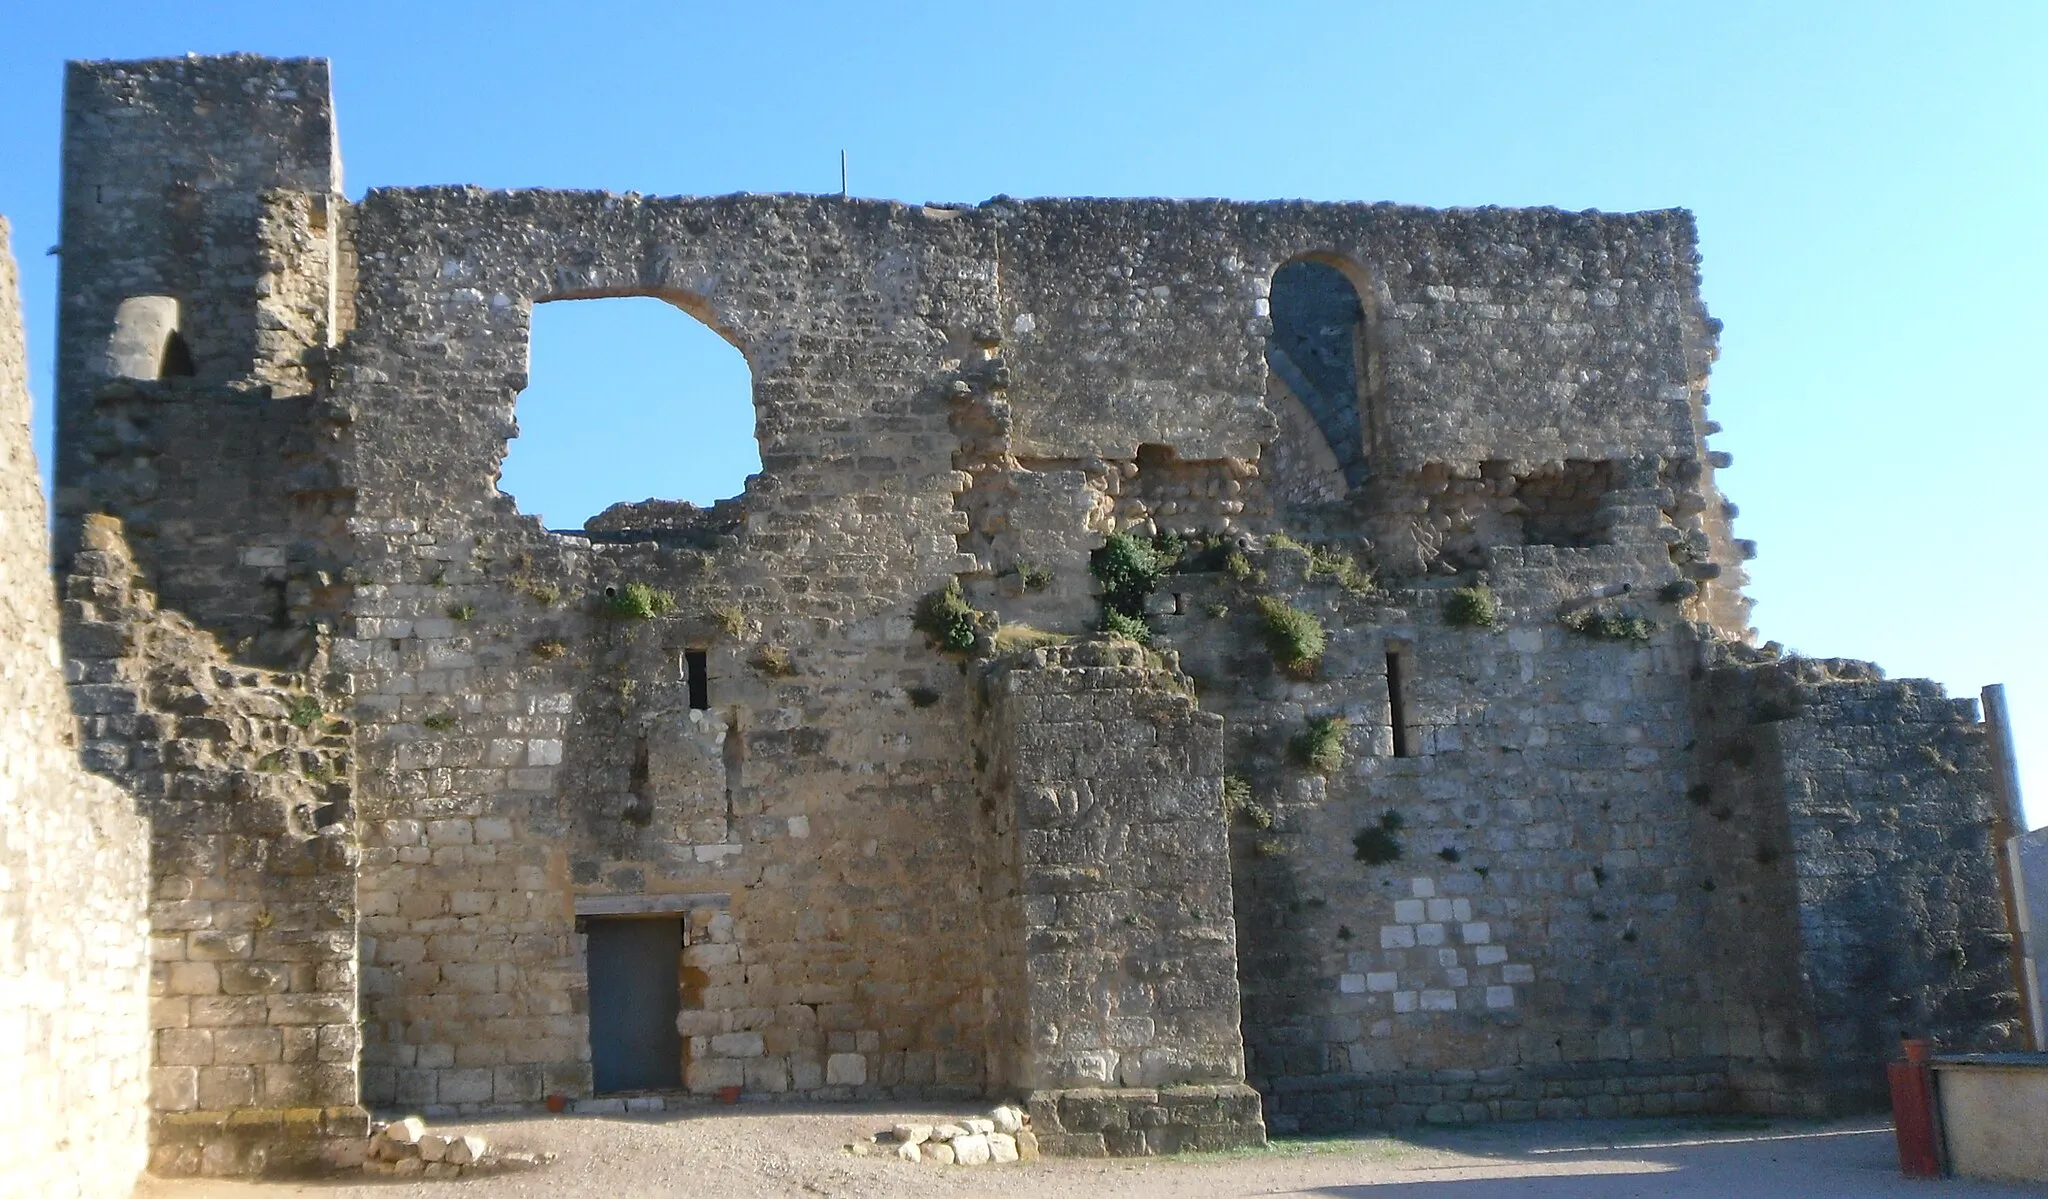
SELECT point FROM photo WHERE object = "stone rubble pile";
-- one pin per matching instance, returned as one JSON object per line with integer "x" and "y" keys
{"x": 404, "y": 1148}
{"x": 1003, "y": 1136}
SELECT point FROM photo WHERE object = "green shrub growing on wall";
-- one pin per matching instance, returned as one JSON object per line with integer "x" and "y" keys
{"x": 773, "y": 661}
{"x": 1471, "y": 608}
{"x": 1609, "y": 626}
{"x": 305, "y": 710}
{"x": 1238, "y": 803}
{"x": 1320, "y": 747}
{"x": 1376, "y": 844}
{"x": 637, "y": 601}
{"x": 1129, "y": 568}
{"x": 1294, "y": 637}
{"x": 946, "y": 618}
{"x": 1338, "y": 564}
{"x": 1127, "y": 628}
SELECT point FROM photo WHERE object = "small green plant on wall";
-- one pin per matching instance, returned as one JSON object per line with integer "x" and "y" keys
{"x": 1128, "y": 569}
{"x": 1609, "y": 626}
{"x": 1377, "y": 844}
{"x": 1338, "y": 564}
{"x": 1125, "y": 628}
{"x": 1238, "y": 803}
{"x": 1320, "y": 747}
{"x": 1471, "y": 608}
{"x": 773, "y": 661}
{"x": 1295, "y": 638}
{"x": 946, "y": 618}
{"x": 637, "y": 601}
{"x": 731, "y": 619}
{"x": 305, "y": 710}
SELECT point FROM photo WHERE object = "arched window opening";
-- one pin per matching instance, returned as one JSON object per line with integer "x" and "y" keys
{"x": 1316, "y": 355}
{"x": 629, "y": 399}
{"x": 146, "y": 342}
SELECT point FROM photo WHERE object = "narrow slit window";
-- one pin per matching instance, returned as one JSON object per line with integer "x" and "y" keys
{"x": 699, "y": 676}
{"x": 1397, "y": 703}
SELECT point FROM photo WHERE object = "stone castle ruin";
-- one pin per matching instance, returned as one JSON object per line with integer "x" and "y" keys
{"x": 1197, "y": 667}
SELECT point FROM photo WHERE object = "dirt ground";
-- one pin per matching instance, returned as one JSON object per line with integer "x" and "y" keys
{"x": 783, "y": 1151}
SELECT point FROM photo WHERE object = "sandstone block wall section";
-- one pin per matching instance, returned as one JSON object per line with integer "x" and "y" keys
{"x": 1107, "y": 779}
{"x": 244, "y": 779}
{"x": 551, "y": 746}
{"x": 1867, "y": 807}
{"x": 74, "y": 936}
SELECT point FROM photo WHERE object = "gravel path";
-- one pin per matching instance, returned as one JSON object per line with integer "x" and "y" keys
{"x": 783, "y": 1151}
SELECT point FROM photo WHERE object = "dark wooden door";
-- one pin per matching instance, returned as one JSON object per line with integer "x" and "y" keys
{"x": 634, "y": 1045}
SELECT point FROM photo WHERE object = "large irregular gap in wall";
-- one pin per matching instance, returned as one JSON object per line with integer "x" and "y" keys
{"x": 245, "y": 778}
{"x": 1110, "y": 782}
{"x": 74, "y": 937}
{"x": 1886, "y": 797}
{"x": 629, "y": 396}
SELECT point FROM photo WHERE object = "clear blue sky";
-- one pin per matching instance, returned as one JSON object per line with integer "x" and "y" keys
{"x": 1870, "y": 181}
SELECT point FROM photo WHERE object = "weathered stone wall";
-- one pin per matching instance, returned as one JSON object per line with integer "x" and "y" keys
{"x": 244, "y": 780}
{"x": 506, "y": 716}
{"x": 1533, "y": 949}
{"x": 73, "y": 860}
{"x": 211, "y": 184}
{"x": 1866, "y": 809}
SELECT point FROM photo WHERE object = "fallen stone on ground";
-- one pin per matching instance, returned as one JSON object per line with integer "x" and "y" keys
{"x": 1001, "y": 1137}
{"x": 405, "y": 1149}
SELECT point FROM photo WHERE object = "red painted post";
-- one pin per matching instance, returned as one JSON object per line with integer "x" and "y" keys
{"x": 1913, "y": 1112}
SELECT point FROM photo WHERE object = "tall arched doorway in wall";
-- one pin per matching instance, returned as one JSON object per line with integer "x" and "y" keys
{"x": 628, "y": 398}
{"x": 1318, "y": 366}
